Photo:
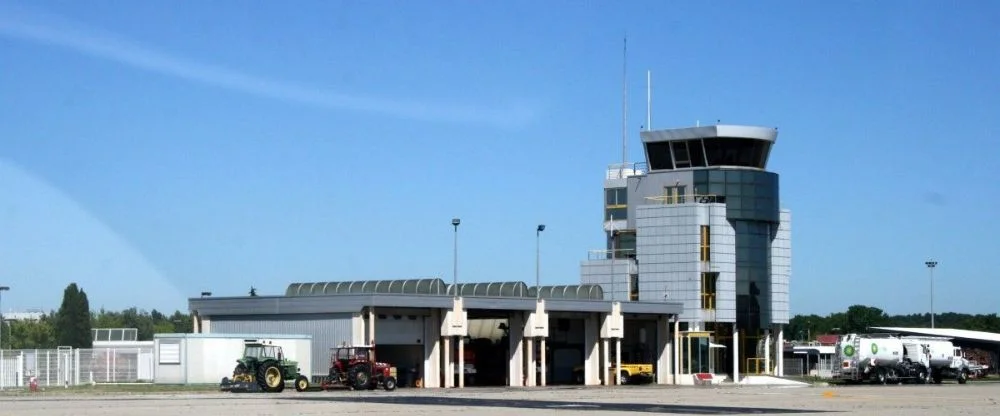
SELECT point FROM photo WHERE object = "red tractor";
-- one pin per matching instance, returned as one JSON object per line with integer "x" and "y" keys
{"x": 356, "y": 368}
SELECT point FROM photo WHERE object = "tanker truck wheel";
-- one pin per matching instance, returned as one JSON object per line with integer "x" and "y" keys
{"x": 963, "y": 376}
{"x": 922, "y": 377}
{"x": 880, "y": 376}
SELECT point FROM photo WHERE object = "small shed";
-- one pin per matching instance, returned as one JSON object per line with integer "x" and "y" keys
{"x": 207, "y": 358}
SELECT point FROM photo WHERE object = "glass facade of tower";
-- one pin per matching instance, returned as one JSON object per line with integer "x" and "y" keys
{"x": 752, "y": 209}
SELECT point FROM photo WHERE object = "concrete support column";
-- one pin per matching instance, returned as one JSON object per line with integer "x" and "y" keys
{"x": 605, "y": 364}
{"x": 542, "y": 355}
{"x": 370, "y": 339}
{"x": 618, "y": 361}
{"x": 516, "y": 359}
{"x": 767, "y": 351}
{"x": 779, "y": 352}
{"x": 591, "y": 352}
{"x": 736, "y": 354}
{"x": 432, "y": 350}
{"x": 461, "y": 361}
{"x": 677, "y": 350}
{"x": 663, "y": 354}
{"x": 195, "y": 323}
{"x": 529, "y": 361}
{"x": 449, "y": 373}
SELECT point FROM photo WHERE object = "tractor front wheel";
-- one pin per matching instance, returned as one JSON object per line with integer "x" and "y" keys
{"x": 301, "y": 383}
{"x": 389, "y": 384}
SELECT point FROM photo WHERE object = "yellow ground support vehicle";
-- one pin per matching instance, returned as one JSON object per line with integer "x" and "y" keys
{"x": 629, "y": 372}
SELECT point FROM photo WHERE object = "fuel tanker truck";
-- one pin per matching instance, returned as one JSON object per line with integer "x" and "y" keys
{"x": 889, "y": 358}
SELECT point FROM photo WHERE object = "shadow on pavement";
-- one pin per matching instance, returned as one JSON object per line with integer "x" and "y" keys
{"x": 578, "y": 406}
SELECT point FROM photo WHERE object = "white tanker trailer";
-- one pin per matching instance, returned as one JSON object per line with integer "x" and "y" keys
{"x": 888, "y": 358}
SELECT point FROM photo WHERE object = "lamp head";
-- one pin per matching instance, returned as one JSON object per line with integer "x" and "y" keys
{"x": 3, "y": 288}
{"x": 541, "y": 227}
{"x": 455, "y": 221}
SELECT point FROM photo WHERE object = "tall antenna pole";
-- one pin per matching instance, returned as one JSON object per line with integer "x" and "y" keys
{"x": 624, "y": 103}
{"x": 649, "y": 100}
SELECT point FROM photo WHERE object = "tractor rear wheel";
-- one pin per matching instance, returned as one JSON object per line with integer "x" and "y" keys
{"x": 301, "y": 383}
{"x": 360, "y": 377}
{"x": 270, "y": 379}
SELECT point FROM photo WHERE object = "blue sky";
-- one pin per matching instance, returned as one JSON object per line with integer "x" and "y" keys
{"x": 152, "y": 150}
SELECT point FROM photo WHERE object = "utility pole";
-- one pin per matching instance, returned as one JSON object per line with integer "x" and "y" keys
{"x": 931, "y": 264}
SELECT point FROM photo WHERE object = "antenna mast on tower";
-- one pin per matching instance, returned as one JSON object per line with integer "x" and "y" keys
{"x": 624, "y": 105}
{"x": 649, "y": 100}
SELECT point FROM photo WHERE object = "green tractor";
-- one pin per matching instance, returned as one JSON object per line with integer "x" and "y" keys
{"x": 263, "y": 368}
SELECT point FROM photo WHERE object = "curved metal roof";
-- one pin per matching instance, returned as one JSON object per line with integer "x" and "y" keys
{"x": 491, "y": 289}
{"x": 432, "y": 286}
{"x": 576, "y": 292}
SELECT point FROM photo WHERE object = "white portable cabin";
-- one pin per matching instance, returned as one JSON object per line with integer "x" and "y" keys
{"x": 207, "y": 358}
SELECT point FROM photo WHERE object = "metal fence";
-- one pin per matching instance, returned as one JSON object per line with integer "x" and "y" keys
{"x": 816, "y": 367}
{"x": 71, "y": 366}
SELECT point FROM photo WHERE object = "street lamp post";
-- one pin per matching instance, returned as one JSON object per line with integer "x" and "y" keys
{"x": 2, "y": 289}
{"x": 455, "y": 222}
{"x": 538, "y": 287}
{"x": 931, "y": 264}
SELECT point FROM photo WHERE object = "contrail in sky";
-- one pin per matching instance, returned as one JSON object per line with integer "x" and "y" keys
{"x": 59, "y": 32}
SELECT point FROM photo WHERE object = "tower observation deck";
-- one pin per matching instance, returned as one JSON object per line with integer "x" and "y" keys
{"x": 708, "y": 146}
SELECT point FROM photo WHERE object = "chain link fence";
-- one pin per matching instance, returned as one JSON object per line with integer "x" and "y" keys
{"x": 72, "y": 366}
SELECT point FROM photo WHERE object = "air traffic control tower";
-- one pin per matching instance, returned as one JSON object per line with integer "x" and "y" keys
{"x": 700, "y": 222}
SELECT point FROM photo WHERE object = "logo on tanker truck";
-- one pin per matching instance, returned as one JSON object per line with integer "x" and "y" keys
{"x": 874, "y": 348}
{"x": 849, "y": 350}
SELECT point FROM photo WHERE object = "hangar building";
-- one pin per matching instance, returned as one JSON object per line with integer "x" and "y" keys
{"x": 501, "y": 328}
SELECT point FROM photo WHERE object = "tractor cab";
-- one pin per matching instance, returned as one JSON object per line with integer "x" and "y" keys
{"x": 260, "y": 351}
{"x": 345, "y": 357}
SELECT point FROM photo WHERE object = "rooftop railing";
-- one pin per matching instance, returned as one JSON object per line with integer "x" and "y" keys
{"x": 688, "y": 199}
{"x": 624, "y": 170}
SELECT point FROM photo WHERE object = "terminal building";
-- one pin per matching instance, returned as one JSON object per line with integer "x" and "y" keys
{"x": 693, "y": 282}
{"x": 700, "y": 222}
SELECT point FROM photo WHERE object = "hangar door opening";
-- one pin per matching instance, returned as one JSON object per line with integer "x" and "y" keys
{"x": 399, "y": 342}
{"x": 565, "y": 349}
{"x": 487, "y": 349}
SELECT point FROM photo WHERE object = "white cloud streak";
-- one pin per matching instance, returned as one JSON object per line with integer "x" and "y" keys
{"x": 59, "y": 32}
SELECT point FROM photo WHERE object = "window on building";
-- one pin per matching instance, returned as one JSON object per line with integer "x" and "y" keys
{"x": 615, "y": 196}
{"x": 615, "y": 214}
{"x": 674, "y": 194}
{"x": 708, "y": 281}
{"x": 706, "y": 243}
{"x": 615, "y": 203}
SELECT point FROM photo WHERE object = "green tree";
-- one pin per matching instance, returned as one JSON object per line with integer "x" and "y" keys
{"x": 73, "y": 319}
{"x": 30, "y": 334}
{"x": 860, "y": 318}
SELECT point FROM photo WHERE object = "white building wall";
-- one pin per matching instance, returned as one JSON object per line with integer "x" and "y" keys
{"x": 781, "y": 269}
{"x": 207, "y": 358}
{"x": 611, "y": 274}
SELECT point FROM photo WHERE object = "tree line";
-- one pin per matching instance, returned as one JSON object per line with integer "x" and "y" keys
{"x": 859, "y": 318}
{"x": 71, "y": 325}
